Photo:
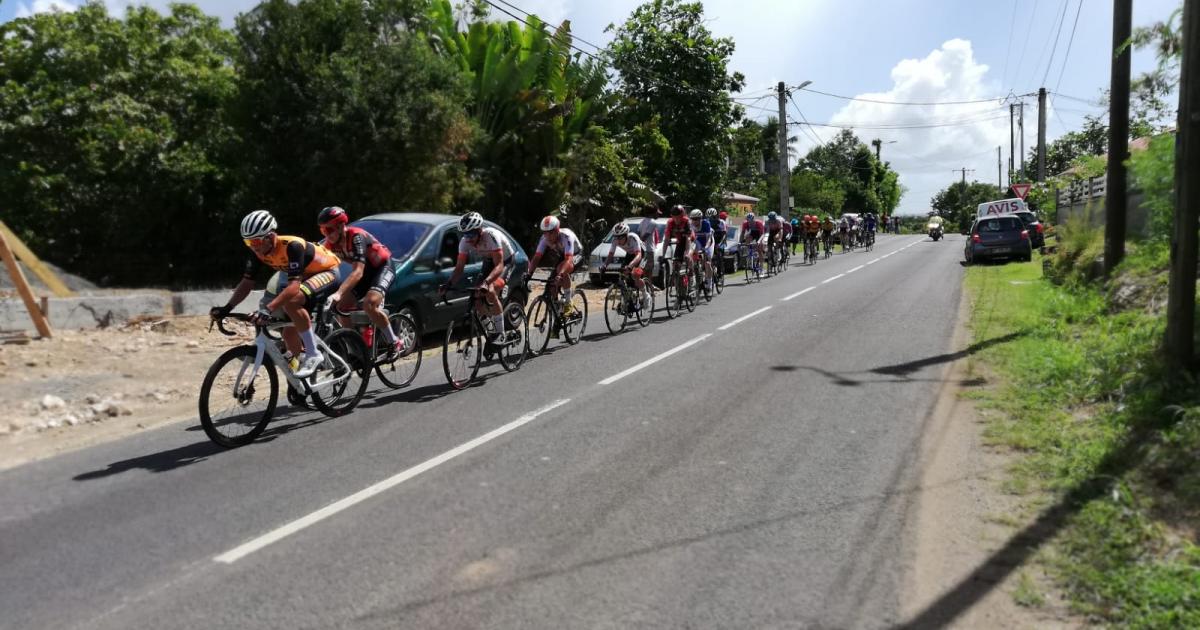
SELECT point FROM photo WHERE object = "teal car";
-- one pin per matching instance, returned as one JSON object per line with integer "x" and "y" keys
{"x": 424, "y": 248}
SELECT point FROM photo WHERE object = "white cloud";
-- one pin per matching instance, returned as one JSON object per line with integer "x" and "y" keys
{"x": 923, "y": 153}
{"x": 44, "y": 6}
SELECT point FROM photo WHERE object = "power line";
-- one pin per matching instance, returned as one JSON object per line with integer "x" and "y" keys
{"x": 958, "y": 123}
{"x": 997, "y": 99}
{"x": 1067, "y": 55}
{"x": 1012, "y": 28}
{"x": 1080, "y": 100}
{"x": 1057, "y": 33}
{"x": 528, "y": 14}
{"x": 1025, "y": 46}
{"x": 809, "y": 128}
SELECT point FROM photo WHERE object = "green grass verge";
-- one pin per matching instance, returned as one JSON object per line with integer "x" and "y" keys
{"x": 1102, "y": 428}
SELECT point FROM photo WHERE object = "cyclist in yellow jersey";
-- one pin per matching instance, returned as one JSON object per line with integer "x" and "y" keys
{"x": 312, "y": 276}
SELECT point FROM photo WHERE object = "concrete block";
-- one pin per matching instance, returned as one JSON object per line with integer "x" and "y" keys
{"x": 199, "y": 302}
{"x": 87, "y": 312}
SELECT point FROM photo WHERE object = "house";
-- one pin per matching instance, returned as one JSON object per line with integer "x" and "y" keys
{"x": 738, "y": 204}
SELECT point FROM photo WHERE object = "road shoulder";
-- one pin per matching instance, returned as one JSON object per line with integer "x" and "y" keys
{"x": 962, "y": 519}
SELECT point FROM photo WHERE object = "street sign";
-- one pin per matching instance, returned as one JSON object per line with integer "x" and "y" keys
{"x": 1021, "y": 190}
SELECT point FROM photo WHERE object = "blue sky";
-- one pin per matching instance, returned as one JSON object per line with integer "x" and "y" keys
{"x": 906, "y": 50}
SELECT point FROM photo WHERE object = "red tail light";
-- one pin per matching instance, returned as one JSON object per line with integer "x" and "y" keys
{"x": 1025, "y": 235}
{"x": 975, "y": 238}
{"x": 1039, "y": 228}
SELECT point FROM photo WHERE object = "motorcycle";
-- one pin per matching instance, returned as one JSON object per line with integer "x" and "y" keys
{"x": 935, "y": 231}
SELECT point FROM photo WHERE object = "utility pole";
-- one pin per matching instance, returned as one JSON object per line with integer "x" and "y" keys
{"x": 878, "y": 145}
{"x": 1012, "y": 144}
{"x": 1181, "y": 296}
{"x": 1041, "y": 135}
{"x": 784, "y": 182}
{"x": 1021, "y": 127}
{"x": 999, "y": 171}
{"x": 1116, "y": 197}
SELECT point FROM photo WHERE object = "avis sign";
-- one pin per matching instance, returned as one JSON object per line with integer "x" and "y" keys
{"x": 997, "y": 208}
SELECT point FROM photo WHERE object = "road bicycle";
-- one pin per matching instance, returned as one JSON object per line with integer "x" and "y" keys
{"x": 395, "y": 370}
{"x": 679, "y": 290}
{"x": 623, "y": 302}
{"x": 551, "y": 315}
{"x": 810, "y": 250}
{"x": 753, "y": 268}
{"x": 828, "y": 241}
{"x": 869, "y": 240}
{"x": 470, "y": 337}
{"x": 701, "y": 287}
{"x": 718, "y": 269}
{"x": 235, "y": 407}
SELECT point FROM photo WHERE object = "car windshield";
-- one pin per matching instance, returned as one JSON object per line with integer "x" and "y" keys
{"x": 1000, "y": 224}
{"x": 401, "y": 237}
{"x": 1027, "y": 217}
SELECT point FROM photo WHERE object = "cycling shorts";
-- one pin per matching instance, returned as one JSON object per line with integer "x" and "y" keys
{"x": 377, "y": 280}
{"x": 682, "y": 249}
{"x": 318, "y": 287}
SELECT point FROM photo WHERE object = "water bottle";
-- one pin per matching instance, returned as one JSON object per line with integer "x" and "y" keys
{"x": 368, "y": 335}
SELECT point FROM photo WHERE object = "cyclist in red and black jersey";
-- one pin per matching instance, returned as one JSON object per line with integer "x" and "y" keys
{"x": 372, "y": 273}
{"x": 679, "y": 227}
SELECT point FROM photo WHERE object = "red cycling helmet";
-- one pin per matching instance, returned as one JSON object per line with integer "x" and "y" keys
{"x": 333, "y": 215}
{"x": 724, "y": 215}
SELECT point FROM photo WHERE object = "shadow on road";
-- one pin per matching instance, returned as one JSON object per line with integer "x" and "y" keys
{"x": 157, "y": 462}
{"x": 903, "y": 369}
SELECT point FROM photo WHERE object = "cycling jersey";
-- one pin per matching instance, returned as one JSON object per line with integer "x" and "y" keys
{"x": 490, "y": 240}
{"x": 566, "y": 245}
{"x": 680, "y": 228}
{"x": 632, "y": 245}
{"x": 720, "y": 230}
{"x": 704, "y": 233}
{"x": 358, "y": 245}
{"x": 648, "y": 232}
{"x": 774, "y": 225}
{"x": 871, "y": 225}
{"x": 294, "y": 255}
{"x": 812, "y": 227}
{"x": 752, "y": 229}
{"x": 828, "y": 226}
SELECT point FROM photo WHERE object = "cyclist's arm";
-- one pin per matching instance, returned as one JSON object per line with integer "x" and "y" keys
{"x": 240, "y": 292}
{"x": 459, "y": 263}
{"x": 533, "y": 262}
{"x": 568, "y": 257}
{"x": 358, "y": 249}
{"x": 498, "y": 261}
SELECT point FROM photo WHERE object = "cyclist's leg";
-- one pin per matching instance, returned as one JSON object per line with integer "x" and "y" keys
{"x": 373, "y": 297}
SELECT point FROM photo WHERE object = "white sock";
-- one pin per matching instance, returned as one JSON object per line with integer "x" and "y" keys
{"x": 390, "y": 334}
{"x": 310, "y": 343}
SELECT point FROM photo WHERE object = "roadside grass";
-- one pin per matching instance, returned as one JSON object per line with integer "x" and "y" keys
{"x": 1102, "y": 426}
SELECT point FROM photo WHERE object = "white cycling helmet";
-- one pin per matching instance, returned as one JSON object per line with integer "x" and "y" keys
{"x": 470, "y": 221}
{"x": 549, "y": 224}
{"x": 711, "y": 212}
{"x": 749, "y": 216}
{"x": 258, "y": 224}
{"x": 620, "y": 229}
{"x": 696, "y": 214}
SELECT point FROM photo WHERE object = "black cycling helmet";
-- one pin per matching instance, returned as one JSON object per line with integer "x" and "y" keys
{"x": 677, "y": 210}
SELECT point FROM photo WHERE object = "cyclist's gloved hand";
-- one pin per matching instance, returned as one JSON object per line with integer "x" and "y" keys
{"x": 217, "y": 312}
{"x": 260, "y": 317}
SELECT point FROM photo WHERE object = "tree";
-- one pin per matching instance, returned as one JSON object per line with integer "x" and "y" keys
{"x": 867, "y": 185}
{"x": 957, "y": 202}
{"x": 754, "y": 158}
{"x": 344, "y": 102}
{"x": 540, "y": 108}
{"x": 114, "y": 147}
{"x": 675, "y": 74}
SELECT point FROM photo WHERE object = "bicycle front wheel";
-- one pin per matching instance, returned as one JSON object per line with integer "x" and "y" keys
{"x": 352, "y": 377}
{"x": 614, "y": 310}
{"x": 399, "y": 371}
{"x": 573, "y": 326}
{"x": 234, "y": 407}
{"x": 515, "y": 344}
{"x": 462, "y": 351}
{"x": 541, "y": 325}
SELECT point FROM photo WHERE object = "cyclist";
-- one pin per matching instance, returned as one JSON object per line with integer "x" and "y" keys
{"x": 496, "y": 252}
{"x": 827, "y": 229}
{"x": 634, "y": 257}
{"x": 752, "y": 231}
{"x": 774, "y": 231}
{"x": 648, "y": 234}
{"x": 562, "y": 252}
{"x": 704, "y": 242}
{"x": 720, "y": 232}
{"x": 372, "y": 273}
{"x": 869, "y": 227}
{"x": 680, "y": 229}
{"x": 312, "y": 276}
{"x": 790, "y": 236}
{"x": 811, "y": 229}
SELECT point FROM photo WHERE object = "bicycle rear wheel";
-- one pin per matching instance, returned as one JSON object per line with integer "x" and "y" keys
{"x": 687, "y": 292}
{"x": 646, "y": 313}
{"x": 343, "y": 397}
{"x": 573, "y": 326}
{"x": 541, "y": 325}
{"x": 614, "y": 310}
{"x": 233, "y": 410}
{"x": 515, "y": 346}
{"x": 399, "y": 371}
{"x": 461, "y": 356}
{"x": 671, "y": 293}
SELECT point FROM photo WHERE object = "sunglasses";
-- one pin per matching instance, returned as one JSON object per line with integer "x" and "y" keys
{"x": 472, "y": 233}
{"x": 254, "y": 242}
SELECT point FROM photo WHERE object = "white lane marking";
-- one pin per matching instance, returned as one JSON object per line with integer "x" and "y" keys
{"x": 243, "y": 550}
{"x": 651, "y": 361}
{"x": 828, "y": 280}
{"x": 797, "y": 294}
{"x": 743, "y": 318}
{"x": 856, "y": 269}
{"x": 872, "y": 262}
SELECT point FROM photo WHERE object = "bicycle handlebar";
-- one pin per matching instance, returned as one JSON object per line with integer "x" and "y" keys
{"x": 219, "y": 322}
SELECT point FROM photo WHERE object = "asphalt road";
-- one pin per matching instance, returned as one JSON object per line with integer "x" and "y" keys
{"x": 757, "y": 477}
